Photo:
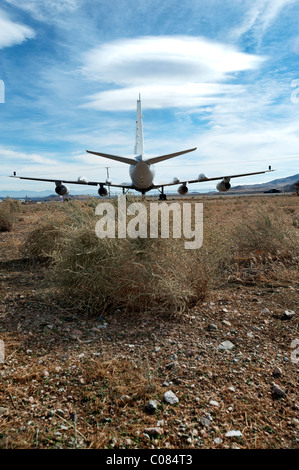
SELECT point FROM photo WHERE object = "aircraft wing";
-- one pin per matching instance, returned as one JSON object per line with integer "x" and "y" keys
{"x": 204, "y": 179}
{"x": 82, "y": 182}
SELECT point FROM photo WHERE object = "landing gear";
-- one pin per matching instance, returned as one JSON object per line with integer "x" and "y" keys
{"x": 162, "y": 196}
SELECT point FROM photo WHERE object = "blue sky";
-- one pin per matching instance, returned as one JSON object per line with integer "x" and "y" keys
{"x": 218, "y": 75}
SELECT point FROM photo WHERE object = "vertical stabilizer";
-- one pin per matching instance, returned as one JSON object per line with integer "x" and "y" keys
{"x": 138, "y": 149}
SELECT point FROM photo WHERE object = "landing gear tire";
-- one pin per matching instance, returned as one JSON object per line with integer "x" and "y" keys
{"x": 162, "y": 197}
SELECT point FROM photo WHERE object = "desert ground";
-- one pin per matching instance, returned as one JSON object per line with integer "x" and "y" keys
{"x": 89, "y": 377}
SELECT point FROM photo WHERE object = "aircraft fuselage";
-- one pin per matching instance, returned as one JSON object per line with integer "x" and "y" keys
{"x": 142, "y": 175}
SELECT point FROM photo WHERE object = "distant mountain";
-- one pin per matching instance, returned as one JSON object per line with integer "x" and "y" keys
{"x": 282, "y": 184}
{"x": 38, "y": 194}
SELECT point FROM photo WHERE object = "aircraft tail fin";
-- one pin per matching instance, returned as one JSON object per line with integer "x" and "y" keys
{"x": 138, "y": 149}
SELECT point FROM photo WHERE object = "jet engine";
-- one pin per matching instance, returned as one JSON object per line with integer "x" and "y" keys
{"x": 82, "y": 179}
{"x": 103, "y": 191}
{"x": 183, "y": 189}
{"x": 62, "y": 190}
{"x": 223, "y": 186}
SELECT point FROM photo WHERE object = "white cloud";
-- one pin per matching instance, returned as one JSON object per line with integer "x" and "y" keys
{"x": 169, "y": 70}
{"x": 186, "y": 95}
{"x": 11, "y": 157}
{"x": 12, "y": 33}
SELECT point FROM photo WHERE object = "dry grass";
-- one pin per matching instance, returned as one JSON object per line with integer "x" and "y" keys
{"x": 100, "y": 276}
{"x": 265, "y": 234}
{"x": 9, "y": 210}
{"x": 265, "y": 247}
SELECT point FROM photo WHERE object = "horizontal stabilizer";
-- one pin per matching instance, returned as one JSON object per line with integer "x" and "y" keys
{"x": 153, "y": 160}
{"x": 129, "y": 161}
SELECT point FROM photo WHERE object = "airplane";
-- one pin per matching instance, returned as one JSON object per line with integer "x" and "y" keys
{"x": 141, "y": 171}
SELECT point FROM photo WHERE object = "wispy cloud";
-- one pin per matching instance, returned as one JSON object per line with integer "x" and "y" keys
{"x": 259, "y": 17}
{"x": 12, "y": 33}
{"x": 44, "y": 10}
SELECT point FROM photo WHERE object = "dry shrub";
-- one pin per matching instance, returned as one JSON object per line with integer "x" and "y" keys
{"x": 267, "y": 235}
{"x": 265, "y": 248}
{"x": 41, "y": 242}
{"x": 50, "y": 232}
{"x": 137, "y": 275}
{"x": 9, "y": 209}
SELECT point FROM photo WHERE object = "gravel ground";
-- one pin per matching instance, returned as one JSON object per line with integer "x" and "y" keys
{"x": 69, "y": 381}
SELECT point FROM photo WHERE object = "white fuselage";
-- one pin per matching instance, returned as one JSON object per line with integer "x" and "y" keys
{"x": 142, "y": 175}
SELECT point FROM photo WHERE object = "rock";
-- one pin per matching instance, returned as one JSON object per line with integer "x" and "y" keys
{"x": 127, "y": 442}
{"x": 161, "y": 422}
{"x": 277, "y": 392}
{"x": 233, "y": 434}
{"x": 173, "y": 357}
{"x": 77, "y": 332}
{"x": 226, "y": 346}
{"x": 266, "y": 310}
{"x": 288, "y": 314}
{"x": 277, "y": 372}
{"x": 3, "y": 410}
{"x": 214, "y": 403}
{"x": 218, "y": 440}
{"x": 212, "y": 327}
{"x": 171, "y": 365}
{"x": 170, "y": 397}
{"x": 206, "y": 422}
{"x": 151, "y": 406}
{"x": 189, "y": 353}
{"x": 154, "y": 432}
{"x": 45, "y": 373}
{"x": 226, "y": 322}
{"x": 125, "y": 398}
{"x": 231, "y": 389}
